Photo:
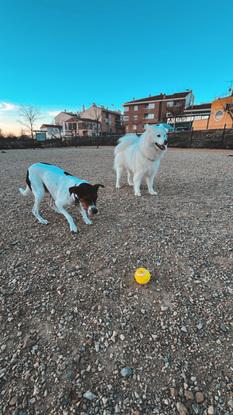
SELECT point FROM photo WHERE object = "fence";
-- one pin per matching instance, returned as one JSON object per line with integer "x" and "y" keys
{"x": 215, "y": 139}
{"x": 218, "y": 139}
{"x": 14, "y": 143}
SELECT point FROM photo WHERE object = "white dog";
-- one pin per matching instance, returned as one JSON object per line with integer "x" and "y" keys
{"x": 64, "y": 188}
{"x": 140, "y": 157}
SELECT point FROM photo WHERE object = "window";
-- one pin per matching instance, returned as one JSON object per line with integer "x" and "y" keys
{"x": 170, "y": 104}
{"x": 135, "y": 107}
{"x": 176, "y": 103}
{"x": 135, "y": 117}
{"x": 150, "y": 106}
{"x": 134, "y": 127}
{"x": 218, "y": 115}
{"x": 126, "y": 109}
{"x": 149, "y": 116}
{"x": 126, "y": 118}
{"x": 71, "y": 126}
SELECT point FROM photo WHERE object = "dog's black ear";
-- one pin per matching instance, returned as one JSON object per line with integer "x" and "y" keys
{"x": 73, "y": 189}
{"x": 96, "y": 186}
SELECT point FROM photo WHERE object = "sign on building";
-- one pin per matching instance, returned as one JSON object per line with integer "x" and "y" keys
{"x": 41, "y": 136}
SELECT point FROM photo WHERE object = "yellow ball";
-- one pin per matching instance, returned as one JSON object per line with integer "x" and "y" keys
{"x": 142, "y": 276}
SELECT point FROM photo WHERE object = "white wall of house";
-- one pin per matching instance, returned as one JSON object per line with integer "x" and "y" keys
{"x": 61, "y": 118}
{"x": 94, "y": 113}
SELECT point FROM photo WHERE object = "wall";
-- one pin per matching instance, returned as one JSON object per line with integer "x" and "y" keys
{"x": 219, "y": 105}
{"x": 218, "y": 139}
{"x": 200, "y": 124}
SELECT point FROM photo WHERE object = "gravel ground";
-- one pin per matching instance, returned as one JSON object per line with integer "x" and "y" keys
{"x": 78, "y": 335}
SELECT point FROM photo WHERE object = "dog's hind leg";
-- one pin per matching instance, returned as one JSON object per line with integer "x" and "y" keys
{"x": 118, "y": 176}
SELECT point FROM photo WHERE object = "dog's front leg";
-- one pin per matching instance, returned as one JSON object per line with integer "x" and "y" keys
{"x": 68, "y": 217}
{"x": 84, "y": 216}
{"x": 149, "y": 182}
{"x": 137, "y": 183}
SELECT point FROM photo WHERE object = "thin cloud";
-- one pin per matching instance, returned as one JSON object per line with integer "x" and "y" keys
{"x": 8, "y": 106}
{"x": 53, "y": 113}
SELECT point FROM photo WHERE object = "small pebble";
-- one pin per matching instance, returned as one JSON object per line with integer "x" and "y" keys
{"x": 126, "y": 372}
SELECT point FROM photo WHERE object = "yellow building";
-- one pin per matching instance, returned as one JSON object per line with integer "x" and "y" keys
{"x": 221, "y": 115}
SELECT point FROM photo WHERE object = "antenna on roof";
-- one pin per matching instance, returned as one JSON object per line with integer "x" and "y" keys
{"x": 230, "y": 88}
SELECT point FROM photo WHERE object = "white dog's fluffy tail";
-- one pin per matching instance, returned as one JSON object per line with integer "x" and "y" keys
{"x": 125, "y": 141}
{"x": 24, "y": 192}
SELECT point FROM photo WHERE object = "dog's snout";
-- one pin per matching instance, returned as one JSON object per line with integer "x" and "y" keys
{"x": 94, "y": 210}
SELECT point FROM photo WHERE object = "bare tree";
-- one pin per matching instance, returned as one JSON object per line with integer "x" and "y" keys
{"x": 97, "y": 117}
{"x": 29, "y": 115}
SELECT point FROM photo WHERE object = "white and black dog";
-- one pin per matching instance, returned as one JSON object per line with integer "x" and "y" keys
{"x": 140, "y": 157}
{"x": 64, "y": 189}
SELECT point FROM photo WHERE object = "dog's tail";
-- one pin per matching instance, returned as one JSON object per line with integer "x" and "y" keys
{"x": 125, "y": 142}
{"x": 26, "y": 191}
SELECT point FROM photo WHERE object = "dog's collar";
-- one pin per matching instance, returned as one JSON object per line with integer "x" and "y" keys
{"x": 148, "y": 158}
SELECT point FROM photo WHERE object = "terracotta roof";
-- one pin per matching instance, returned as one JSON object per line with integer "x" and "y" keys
{"x": 89, "y": 119}
{"x": 160, "y": 97}
{"x": 77, "y": 119}
{"x": 50, "y": 125}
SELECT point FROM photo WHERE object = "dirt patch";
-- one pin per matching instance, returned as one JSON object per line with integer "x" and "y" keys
{"x": 72, "y": 315}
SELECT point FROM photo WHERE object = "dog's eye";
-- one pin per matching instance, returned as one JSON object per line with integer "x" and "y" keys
{"x": 158, "y": 135}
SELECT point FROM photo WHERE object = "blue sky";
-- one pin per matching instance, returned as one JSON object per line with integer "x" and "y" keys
{"x": 58, "y": 54}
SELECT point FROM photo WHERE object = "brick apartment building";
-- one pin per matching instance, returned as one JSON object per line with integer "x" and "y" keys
{"x": 110, "y": 121}
{"x": 154, "y": 109}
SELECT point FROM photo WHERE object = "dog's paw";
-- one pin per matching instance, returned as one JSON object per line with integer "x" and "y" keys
{"x": 44, "y": 221}
{"x": 88, "y": 222}
{"x": 74, "y": 229}
{"x": 137, "y": 194}
{"x": 153, "y": 192}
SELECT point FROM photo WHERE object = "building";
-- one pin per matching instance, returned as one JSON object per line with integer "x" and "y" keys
{"x": 78, "y": 126}
{"x": 51, "y": 130}
{"x": 209, "y": 116}
{"x": 110, "y": 121}
{"x": 154, "y": 109}
{"x": 221, "y": 115}
{"x": 193, "y": 115}
{"x": 61, "y": 118}
{"x": 64, "y": 116}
